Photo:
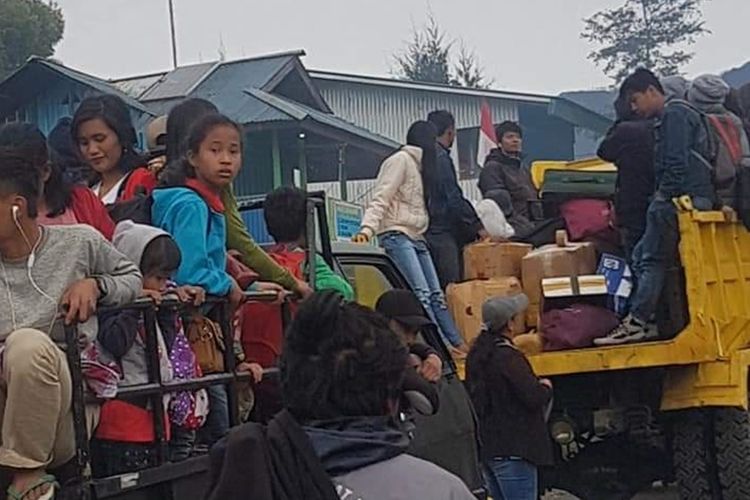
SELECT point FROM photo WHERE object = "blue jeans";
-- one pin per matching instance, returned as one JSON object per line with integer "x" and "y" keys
{"x": 656, "y": 250}
{"x": 217, "y": 421}
{"x": 412, "y": 258}
{"x": 511, "y": 479}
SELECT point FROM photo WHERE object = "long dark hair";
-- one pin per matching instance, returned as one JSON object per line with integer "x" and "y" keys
{"x": 28, "y": 141}
{"x": 180, "y": 120}
{"x": 423, "y": 134}
{"x": 114, "y": 112}
{"x": 178, "y": 171}
{"x": 478, "y": 359}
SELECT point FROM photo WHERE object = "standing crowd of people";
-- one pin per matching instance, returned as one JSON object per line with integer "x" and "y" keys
{"x": 86, "y": 220}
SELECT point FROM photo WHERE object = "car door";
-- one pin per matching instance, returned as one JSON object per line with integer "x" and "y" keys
{"x": 447, "y": 438}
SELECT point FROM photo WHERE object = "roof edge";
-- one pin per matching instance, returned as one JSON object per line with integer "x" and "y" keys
{"x": 430, "y": 87}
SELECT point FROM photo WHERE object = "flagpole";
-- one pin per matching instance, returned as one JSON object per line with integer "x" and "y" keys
{"x": 172, "y": 31}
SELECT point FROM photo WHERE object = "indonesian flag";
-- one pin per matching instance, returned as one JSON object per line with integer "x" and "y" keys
{"x": 487, "y": 140}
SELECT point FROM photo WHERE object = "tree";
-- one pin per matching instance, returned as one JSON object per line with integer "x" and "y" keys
{"x": 648, "y": 33}
{"x": 28, "y": 28}
{"x": 467, "y": 72}
{"x": 428, "y": 57}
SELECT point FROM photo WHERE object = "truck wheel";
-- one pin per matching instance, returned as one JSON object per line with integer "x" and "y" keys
{"x": 732, "y": 438}
{"x": 694, "y": 456}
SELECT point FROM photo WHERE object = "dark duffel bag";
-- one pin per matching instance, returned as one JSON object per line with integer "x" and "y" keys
{"x": 576, "y": 326}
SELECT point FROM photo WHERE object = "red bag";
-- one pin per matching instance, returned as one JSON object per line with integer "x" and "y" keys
{"x": 586, "y": 217}
{"x": 576, "y": 326}
{"x": 243, "y": 275}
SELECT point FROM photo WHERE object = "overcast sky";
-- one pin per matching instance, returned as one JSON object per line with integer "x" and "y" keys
{"x": 525, "y": 45}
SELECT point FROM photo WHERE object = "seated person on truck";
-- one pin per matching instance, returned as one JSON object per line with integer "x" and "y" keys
{"x": 285, "y": 213}
{"x": 342, "y": 372}
{"x": 51, "y": 276}
{"x": 681, "y": 170}
{"x": 125, "y": 435}
{"x": 504, "y": 177}
{"x": 510, "y": 402}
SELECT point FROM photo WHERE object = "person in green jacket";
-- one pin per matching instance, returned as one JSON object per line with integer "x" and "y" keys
{"x": 179, "y": 121}
{"x": 286, "y": 219}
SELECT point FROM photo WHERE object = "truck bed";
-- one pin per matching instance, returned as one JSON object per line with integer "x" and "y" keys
{"x": 715, "y": 254}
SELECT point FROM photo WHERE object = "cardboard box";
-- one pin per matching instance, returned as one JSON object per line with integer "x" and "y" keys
{"x": 487, "y": 260}
{"x": 465, "y": 303}
{"x": 554, "y": 261}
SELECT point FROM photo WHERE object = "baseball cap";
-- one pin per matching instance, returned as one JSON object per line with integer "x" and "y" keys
{"x": 156, "y": 133}
{"x": 403, "y": 306}
{"x": 499, "y": 311}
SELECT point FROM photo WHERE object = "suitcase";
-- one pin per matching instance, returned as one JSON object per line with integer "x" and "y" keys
{"x": 563, "y": 185}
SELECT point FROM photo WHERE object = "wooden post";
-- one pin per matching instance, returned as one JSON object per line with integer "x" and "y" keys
{"x": 276, "y": 155}
{"x": 302, "y": 163}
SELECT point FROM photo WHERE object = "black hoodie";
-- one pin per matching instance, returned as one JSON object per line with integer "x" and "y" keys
{"x": 504, "y": 177}
{"x": 630, "y": 146}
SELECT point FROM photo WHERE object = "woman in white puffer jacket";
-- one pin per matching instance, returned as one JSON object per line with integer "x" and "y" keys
{"x": 398, "y": 216}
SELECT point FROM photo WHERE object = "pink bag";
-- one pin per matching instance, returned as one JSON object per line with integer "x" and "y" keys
{"x": 586, "y": 217}
{"x": 576, "y": 326}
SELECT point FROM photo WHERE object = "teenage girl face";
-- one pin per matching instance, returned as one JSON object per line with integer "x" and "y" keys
{"x": 99, "y": 145}
{"x": 219, "y": 157}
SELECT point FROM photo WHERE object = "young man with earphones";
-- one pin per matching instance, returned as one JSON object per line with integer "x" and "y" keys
{"x": 49, "y": 276}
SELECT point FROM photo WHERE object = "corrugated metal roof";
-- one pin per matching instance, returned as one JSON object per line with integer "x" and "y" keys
{"x": 300, "y": 112}
{"x": 83, "y": 78}
{"x": 179, "y": 82}
{"x": 390, "y": 110}
{"x": 135, "y": 87}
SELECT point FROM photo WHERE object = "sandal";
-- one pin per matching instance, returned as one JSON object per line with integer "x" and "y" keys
{"x": 14, "y": 494}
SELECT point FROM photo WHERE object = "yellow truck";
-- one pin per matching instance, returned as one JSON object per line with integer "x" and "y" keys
{"x": 625, "y": 416}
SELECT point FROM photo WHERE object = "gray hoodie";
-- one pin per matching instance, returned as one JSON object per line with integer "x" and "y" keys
{"x": 675, "y": 87}
{"x": 121, "y": 331}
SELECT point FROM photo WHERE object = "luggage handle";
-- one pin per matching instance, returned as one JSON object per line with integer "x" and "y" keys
{"x": 581, "y": 179}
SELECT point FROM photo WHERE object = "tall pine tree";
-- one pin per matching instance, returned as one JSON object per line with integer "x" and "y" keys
{"x": 649, "y": 33}
{"x": 428, "y": 57}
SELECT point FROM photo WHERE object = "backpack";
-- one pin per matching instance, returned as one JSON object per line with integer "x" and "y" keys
{"x": 726, "y": 137}
{"x": 137, "y": 209}
{"x": 207, "y": 341}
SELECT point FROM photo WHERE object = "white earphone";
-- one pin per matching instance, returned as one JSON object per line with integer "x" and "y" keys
{"x": 14, "y": 209}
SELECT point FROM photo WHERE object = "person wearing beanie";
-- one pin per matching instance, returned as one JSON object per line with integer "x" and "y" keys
{"x": 504, "y": 176}
{"x": 708, "y": 93}
{"x": 511, "y": 404}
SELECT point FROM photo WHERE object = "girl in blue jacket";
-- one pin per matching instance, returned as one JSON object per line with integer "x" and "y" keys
{"x": 190, "y": 207}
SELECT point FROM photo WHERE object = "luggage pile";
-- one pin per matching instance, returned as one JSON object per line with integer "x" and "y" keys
{"x": 577, "y": 286}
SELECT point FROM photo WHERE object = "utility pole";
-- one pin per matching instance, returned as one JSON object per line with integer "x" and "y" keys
{"x": 172, "y": 31}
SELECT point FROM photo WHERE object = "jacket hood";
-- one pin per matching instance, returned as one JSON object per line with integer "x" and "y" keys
{"x": 132, "y": 239}
{"x": 347, "y": 444}
{"x": 415, "y": 152}
{"x": 708, "y": 90}
{"x": 675, "y": 87}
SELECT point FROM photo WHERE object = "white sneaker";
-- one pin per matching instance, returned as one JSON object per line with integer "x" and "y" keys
{"x": 629, "y": 331}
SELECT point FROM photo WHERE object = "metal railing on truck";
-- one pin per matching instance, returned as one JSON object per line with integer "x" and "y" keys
{"x": 83, "y": 486}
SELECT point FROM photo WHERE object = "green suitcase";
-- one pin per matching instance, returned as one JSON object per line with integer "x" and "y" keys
{"x": 560, "y": 186}
{"x": 578, "y": 184}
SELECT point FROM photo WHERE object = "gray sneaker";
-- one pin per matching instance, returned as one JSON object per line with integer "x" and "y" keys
{"x": 629, "y": 331}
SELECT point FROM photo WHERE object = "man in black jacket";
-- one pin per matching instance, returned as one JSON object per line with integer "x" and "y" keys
{"x": 453, "y": 220}
{"x": 504, "y": 177}
{"x": 630, "y": 145}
